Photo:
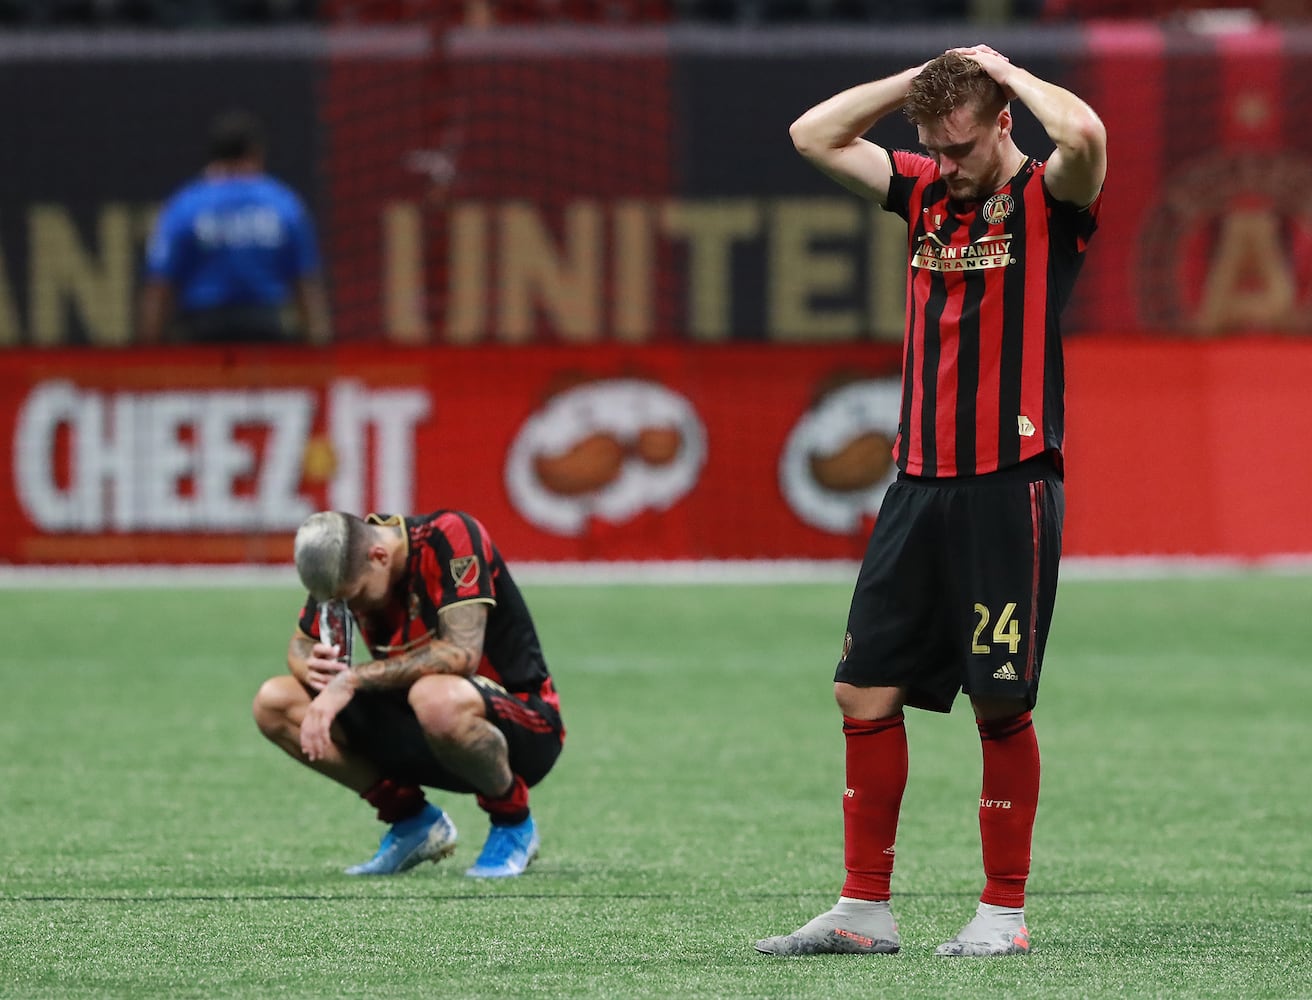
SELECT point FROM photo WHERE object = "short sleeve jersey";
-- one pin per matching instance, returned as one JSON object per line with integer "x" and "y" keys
{"x": 233, "y": 241}
{"x": 983, "y": 382}
{"x": 451, "y": 560}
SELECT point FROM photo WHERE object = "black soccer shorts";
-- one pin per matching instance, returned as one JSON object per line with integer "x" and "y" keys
{"x": 381, "y": 727}
{"x": 957, "y": 587}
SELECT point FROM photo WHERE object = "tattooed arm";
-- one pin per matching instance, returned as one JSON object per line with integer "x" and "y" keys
{"x": 457, "y": 650}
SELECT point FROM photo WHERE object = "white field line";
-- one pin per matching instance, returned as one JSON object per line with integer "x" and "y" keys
{"x": 747, "y": 571}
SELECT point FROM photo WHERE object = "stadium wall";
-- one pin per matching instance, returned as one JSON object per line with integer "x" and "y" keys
{"x": 616, "y": 453}
{"x": 637, "y": 186}
{"x": 583, "y": 287}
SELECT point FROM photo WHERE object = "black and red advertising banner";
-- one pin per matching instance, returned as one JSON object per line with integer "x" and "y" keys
{"x": 637, "y": 186}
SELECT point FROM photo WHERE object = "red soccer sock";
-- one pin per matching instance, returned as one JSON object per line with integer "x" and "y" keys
{"x": 876, "y": 779}
{"x": 510, "y": 809}
{"x": 394, "y": 801}
{"x": 1008, "y": 801}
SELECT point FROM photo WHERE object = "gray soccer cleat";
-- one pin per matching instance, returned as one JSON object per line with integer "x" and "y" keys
{"x": 847, "y": 929}
{"x": 992, "y": 931}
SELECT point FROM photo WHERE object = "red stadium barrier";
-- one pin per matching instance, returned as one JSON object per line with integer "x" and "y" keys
{"x": 214, "y": 456}
{"x": 1187, "y": 447}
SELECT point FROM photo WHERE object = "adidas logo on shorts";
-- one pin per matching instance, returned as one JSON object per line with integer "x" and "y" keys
{"x": 1006, "y": 672}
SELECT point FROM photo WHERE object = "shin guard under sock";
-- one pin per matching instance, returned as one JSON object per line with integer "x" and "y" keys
{"x": 876, "y": 779}
{"x": 1008, "y": 801}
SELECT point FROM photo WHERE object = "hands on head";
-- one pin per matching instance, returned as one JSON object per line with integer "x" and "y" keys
{"x": 992, "y": 62}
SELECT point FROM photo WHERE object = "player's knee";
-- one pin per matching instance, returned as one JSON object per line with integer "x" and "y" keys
{"x": 868, "y": 702}
{"x": 273, "y": 704}
{"x": 998, "y": 710}
{"x": 444, "y": 706}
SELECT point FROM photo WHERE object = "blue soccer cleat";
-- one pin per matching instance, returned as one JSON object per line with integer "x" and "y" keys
{"x": 508, "y": 851}
{"x": 427, "y": 836}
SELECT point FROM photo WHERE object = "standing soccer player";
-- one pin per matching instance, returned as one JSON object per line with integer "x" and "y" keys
{"x": 957, "y": 587}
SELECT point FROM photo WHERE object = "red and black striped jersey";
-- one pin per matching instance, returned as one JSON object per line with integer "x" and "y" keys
{"x": 451, "y": 560}
{"x": 983, "y": 383}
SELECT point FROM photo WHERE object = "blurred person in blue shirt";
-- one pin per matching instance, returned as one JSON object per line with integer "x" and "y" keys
{"x": 231, "y": 251}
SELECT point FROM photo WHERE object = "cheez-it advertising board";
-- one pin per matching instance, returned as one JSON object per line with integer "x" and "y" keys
{"x": 210, "y": 455}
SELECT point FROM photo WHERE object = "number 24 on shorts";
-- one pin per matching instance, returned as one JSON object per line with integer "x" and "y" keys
{"x": 1006, "y": 629}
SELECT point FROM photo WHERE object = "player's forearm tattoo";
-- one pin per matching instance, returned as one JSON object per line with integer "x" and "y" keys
{"x": 458, "y": 650}
{"x": 465, "y": 626}
{"x": 299, "y": 652}
{"x": 435, "y": 657}
{"x": 301, "y": 647}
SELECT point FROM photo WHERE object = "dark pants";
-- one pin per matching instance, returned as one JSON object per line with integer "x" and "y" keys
{"x": 382, "y": 728}
{"x": 957, "y": 588}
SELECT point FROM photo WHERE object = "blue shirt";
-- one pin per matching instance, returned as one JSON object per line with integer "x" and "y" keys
{"x": 233, "y": 241}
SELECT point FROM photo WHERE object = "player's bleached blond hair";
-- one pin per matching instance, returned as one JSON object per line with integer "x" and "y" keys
{"x": 948, "y": 82}
{"x": 331, "y": 550}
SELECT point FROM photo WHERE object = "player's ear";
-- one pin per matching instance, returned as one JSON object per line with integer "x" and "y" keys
{"x": 1004, "y": 122}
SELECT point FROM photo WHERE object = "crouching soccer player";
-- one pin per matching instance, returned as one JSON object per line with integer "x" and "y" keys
{"x": 455, "y": 693}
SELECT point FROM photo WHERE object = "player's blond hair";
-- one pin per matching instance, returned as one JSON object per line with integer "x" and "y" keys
{"x": 948, "y": 82}
{"x": 331, "y": 550}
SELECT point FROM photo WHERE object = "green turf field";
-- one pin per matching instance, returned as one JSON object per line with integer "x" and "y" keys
{"x": 154, "y": 846}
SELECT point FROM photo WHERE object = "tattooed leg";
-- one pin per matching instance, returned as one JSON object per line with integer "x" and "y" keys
{"x": 450, "y": 710}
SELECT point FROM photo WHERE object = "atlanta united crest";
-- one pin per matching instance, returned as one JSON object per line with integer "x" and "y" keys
{"x": 998, "y": 207}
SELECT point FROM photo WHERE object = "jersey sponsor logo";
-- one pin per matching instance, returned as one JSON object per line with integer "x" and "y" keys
{"x": 609, "y": 449}
{"x": 932, "y": 254}
{"x": 464, "y": 570}
{"x": 837, "y": 461}
{"x": 998, "y": 208}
